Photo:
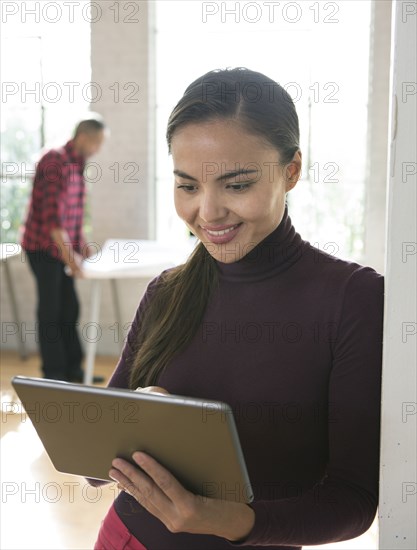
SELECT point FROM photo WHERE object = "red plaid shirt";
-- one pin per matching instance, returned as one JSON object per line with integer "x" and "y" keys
{"x": 57, "y": 200}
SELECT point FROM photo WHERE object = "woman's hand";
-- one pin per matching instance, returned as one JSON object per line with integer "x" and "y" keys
{"x": 157, "y": 490}
{"x": 153, "y": 389}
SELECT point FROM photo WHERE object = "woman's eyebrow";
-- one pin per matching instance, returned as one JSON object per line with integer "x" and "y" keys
{"x": 225, "y": 176}
{"x": 182, "y": 174}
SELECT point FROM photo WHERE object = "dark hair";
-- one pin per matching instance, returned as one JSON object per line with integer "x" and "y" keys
{"x": 262, "y": 107}
{"x": 89, "y": 126}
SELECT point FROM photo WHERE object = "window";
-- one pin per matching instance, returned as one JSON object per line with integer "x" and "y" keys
{"x": 21, "y": 128}
{"x": 310, "y": 49}
{"x": 45, "y": 59}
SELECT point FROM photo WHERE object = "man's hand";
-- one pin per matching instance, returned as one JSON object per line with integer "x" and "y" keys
{"x": 71, "y": 259}
{"x": 75, "y": 265}
{"x": 88, "y": 251}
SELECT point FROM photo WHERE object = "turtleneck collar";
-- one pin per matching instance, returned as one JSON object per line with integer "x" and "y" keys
{"x": 271, "y": 256}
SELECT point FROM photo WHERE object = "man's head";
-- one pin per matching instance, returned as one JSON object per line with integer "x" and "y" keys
{"x": 89, "y": 136}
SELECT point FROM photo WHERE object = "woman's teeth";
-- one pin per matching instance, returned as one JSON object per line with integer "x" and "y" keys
{"x": 223, "y": 232}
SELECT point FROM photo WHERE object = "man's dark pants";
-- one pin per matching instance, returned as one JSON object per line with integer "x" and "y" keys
{"x": 57, "y": 314}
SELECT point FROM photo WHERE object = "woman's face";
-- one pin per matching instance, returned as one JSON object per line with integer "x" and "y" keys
{"x": 229, "y": 188}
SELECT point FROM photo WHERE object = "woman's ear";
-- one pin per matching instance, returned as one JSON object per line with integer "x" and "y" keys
{"x": 293, "y": 171}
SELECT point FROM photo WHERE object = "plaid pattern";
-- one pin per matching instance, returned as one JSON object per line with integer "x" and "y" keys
{"x": 57, "y": 200}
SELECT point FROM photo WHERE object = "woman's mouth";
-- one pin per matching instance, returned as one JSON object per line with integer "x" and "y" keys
{"x": 223, "y": 235}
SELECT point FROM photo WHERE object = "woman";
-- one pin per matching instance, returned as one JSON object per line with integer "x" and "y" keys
{"x": 289, "y": 336}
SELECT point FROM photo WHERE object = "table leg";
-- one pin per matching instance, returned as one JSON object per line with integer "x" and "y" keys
{"x": 91, "y": 345}
{"x": 15, "y": 311}
{"x": 117, "y": 310}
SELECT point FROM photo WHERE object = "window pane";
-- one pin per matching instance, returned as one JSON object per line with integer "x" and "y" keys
{"x": 21, "y": 122}
{"x": 307, "y": 47}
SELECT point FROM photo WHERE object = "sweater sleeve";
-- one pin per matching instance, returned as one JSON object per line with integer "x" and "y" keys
{"x": 343, "y": 504}
{"x": 121, "y": 373}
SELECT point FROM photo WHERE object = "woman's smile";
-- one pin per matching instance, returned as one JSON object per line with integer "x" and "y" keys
{"x": 222, "y": 236}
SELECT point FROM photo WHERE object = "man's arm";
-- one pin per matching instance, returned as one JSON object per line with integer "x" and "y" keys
{"x": 87, "y": 248}
{"x": 53, "y": 173}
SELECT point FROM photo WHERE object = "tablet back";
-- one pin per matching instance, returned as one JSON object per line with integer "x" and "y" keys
{"x": 84, "y": 427}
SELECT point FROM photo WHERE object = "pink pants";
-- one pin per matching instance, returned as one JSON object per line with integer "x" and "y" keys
{"x": 114, "y": 535}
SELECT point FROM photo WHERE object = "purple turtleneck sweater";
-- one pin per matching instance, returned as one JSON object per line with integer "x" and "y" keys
{"x": 292, "y": 340}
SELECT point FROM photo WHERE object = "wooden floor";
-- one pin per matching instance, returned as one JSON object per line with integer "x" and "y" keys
{"x": 44, "y": 509}
{"x": 40, "y": 507}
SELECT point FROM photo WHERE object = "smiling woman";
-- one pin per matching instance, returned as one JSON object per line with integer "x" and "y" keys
{"x": 209, "y": 328}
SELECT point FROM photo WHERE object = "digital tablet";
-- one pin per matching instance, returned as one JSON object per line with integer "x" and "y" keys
{"x": 84, "y": 427}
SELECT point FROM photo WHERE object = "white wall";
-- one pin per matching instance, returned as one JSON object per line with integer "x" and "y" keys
{"x": 397, "y": 506}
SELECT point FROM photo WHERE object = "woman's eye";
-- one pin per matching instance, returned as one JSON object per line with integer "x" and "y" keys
{"x": 240, "y": 186}
{"x": 187, "y": 188}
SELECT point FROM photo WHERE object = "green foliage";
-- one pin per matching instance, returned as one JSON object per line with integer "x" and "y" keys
{"x": 20, "y": 145}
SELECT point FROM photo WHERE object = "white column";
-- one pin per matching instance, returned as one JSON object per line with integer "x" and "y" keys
{"x": 377, "y": 141}
{"x": 122, "y": 59}
{"x": 397, "y": 506}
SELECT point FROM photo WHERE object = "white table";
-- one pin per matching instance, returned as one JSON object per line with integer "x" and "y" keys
{"x": 126, "y": 259}
{"x": 7, "y": 251}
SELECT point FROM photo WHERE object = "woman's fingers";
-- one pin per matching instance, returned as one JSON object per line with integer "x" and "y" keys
{"x": 140, "y": 483}
{"x": 152, "y": 471}
{"x": 153, "y": 389}
{"x": 123, "y": 483}
{"x": 142, "y": 488}
{"x": 155, "y": 488}
{"x": 160, "y": 475}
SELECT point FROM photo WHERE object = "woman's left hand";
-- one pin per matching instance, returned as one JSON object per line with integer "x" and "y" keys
{"x": 157, "y": 490}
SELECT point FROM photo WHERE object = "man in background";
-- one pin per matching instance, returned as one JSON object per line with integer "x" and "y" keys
{"x": 53, "y": 239}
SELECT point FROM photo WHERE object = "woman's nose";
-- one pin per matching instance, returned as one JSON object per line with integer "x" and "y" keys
{"x": 212, "y": 207}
